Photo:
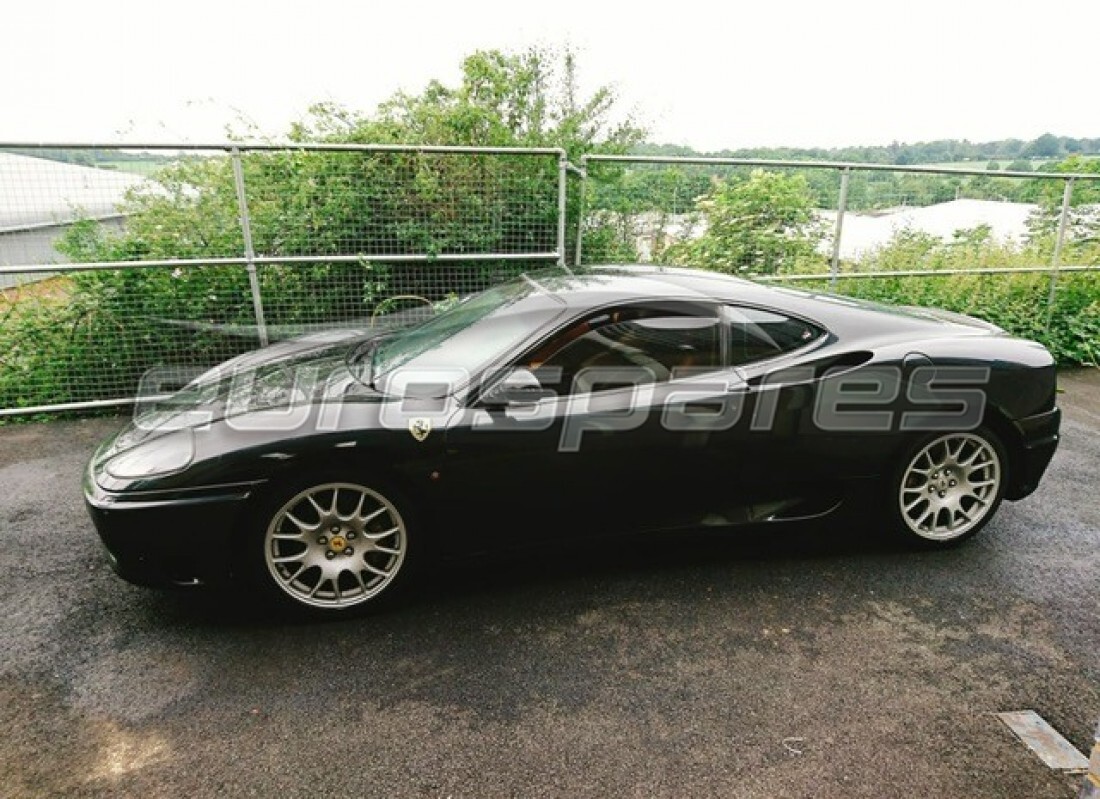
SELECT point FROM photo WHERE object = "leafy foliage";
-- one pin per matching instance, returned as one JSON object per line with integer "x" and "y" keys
{"x": 1017, "y": 303}
{"x": 969, "y": 248}
{"x": 315, "y": 203}
{"x": 1083, "y": 223}
{"x": 941, "y": 151}
{"x": 765, "y": 224}
{"x": 93, "y": 333}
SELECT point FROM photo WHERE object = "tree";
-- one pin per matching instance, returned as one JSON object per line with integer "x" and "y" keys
{"x": 765, "y": 224}
{"x": 526, "y": 99}
{"x": 318, "y": 203}
{"x": 1084, "y": 216}
{"x": 322, "y": 203}
{"x": 1046, "y": 146}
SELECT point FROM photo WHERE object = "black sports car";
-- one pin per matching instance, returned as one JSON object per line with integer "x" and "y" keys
{"x": 571, "y": 404}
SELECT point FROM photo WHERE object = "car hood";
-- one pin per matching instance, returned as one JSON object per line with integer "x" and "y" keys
{"x": 298, "y": 371}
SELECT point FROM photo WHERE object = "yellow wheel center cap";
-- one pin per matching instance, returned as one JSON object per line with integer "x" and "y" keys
{"x": 337, "y": 542}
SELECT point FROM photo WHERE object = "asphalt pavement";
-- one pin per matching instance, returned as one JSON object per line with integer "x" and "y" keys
{"x": 803, "y": 661}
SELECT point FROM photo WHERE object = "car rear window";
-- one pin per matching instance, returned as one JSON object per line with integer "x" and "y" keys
{"x": 757, "y": 334}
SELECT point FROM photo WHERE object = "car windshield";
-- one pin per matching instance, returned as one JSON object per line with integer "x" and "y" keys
{"x": 470, "y": 334}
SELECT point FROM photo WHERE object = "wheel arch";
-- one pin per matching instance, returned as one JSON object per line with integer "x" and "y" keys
{"x": 351, "y": 461}
{"x": 344, "y": 464}
{"x": 1012, "y": 439}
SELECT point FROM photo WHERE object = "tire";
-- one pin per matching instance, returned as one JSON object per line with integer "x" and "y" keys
{"x": 947, "y": 487}
{"x": 330, "y": 546}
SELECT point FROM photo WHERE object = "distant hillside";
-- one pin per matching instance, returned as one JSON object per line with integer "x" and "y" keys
{"x": 1047, "y": 146}
{"x": 139, "y": 163}
{"x": 1015, "y": 154}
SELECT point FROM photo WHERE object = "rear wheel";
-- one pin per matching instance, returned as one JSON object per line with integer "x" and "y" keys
{"x": 332, "y": 547}
{"x": 948, "y": 487}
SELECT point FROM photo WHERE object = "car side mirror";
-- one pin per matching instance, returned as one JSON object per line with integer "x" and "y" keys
{"x": 519, "y": 387}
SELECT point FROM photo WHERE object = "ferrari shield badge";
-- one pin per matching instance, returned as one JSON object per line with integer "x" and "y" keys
{"x": 420, "y": 428}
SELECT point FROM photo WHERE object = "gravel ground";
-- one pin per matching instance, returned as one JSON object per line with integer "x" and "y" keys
{"x": 796, "y": 662}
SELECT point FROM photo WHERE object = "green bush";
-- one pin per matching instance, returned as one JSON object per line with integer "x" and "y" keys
{"x": 1017, "y": 303}
{"x": 762, "y": 225}
{"x": 92, "y": 335}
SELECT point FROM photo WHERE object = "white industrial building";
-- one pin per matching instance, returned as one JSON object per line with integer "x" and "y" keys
{"x": 40, "y": 198}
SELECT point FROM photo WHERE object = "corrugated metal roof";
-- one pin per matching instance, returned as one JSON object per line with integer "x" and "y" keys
{"x": 36, "y": 191}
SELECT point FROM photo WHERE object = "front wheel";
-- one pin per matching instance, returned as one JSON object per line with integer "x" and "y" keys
{"x": 332, "y": 547}
{"x": 948, "y": 487}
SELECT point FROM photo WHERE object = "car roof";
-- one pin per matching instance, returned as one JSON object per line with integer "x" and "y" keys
{"x": 580, "y": 287}
{"x": 847, "y": 316}
{"x": 596, "y": 285}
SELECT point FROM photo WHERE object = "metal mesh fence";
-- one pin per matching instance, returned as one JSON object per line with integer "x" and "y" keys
{"x": 1020, "y": 249}
{"x": 87, "y": 337}
{"x": 304, "y": 298}
{"x": 401, "y": 203}
{"x": 113, "y": 261}
{"x": 46, "y": 195}
{"x": 792, "y": 220}
{"x": 661, "y": 212}
{"x": 299, "y": 202}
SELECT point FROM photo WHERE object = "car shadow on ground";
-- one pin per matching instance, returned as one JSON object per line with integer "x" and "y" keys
{"x": 544, "y": 572}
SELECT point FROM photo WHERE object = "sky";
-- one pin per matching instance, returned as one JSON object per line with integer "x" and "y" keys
{"x": 710, "y": 75}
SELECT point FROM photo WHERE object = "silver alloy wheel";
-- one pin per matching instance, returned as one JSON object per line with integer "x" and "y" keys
{"x": 335, "y": 545}
{"x": 950, "y": 486}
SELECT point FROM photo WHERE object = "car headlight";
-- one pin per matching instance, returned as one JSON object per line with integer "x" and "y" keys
{"x": 165, "y": 455}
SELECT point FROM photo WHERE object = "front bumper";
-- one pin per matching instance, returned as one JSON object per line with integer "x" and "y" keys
{"x": 1038, "y": 437}
{"x": 179, "y": 538}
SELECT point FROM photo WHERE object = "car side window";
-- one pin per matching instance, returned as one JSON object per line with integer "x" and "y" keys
{"x": 648, "y": 343}
{"x": 756, "y": 334}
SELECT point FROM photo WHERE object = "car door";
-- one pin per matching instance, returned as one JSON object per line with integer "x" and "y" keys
{"x": 783, "y": 459}
{"x": 595, "y": 450}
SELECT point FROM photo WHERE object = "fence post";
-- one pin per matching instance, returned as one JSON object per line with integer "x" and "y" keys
{"x": 1056, "y": 259}
{"x": 841, "y": 207}
{"x": 563, "y": 187}
{"x": 249, "y": 251}
{"x": 582, "y": 170}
